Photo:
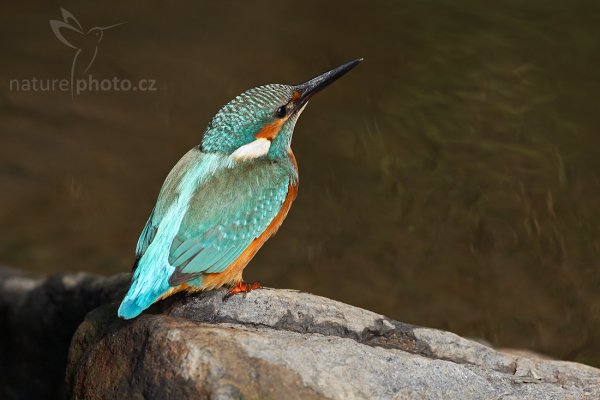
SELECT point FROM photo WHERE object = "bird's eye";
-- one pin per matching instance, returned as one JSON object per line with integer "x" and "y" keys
{"x": 281, "y": 112}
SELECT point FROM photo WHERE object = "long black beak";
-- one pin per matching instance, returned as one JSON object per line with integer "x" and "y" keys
{"x": 308, "y": 89}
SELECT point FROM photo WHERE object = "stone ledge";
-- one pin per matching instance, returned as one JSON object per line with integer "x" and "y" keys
{"x": 266, "y": 344}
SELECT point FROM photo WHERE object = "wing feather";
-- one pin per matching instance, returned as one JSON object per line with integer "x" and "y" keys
{"x": 224, "y": 218}
{"x": 146, "y": 236}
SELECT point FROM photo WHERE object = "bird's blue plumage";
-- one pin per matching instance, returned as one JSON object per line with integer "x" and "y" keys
{"x": 209, "y": 211}
{"x": 235, "y": 208}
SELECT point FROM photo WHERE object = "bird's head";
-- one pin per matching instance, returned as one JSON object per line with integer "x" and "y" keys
{"x": 97, "y": 32}
{"x": 260, "y": 122}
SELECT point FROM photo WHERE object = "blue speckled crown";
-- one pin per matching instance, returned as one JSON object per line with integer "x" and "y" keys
{"x": 239, "y": 120}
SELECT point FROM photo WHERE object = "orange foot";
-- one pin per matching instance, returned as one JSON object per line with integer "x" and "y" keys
{"x": 242, "y": 287}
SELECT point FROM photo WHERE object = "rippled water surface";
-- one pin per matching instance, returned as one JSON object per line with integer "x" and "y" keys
{"x": 452, "y": 180}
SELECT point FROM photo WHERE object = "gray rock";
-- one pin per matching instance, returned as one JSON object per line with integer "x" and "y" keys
{"x": 286, "y": 344}
{"x": 278, "y": 344}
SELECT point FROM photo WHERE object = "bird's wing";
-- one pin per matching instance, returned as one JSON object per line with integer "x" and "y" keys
{"x": 70, "y": 18}
{"x": 167, "y": 196}
{"x": 146, "y": 236}
{"x": 225, "y": 215}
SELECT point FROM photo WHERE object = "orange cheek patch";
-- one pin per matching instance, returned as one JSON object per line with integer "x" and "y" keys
{"x": 271, "y": 130}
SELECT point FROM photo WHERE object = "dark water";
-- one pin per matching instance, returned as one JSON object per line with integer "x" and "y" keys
{"x": 452, "y": 180}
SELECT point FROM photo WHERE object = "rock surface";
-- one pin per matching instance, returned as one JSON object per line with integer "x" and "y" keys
{"x": 286, "y": 344}
{"x": 38, "y": 318}
{"x": 278, "y": 344}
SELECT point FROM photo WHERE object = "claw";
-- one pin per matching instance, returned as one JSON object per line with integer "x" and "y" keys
{"x": 242, "y": 287}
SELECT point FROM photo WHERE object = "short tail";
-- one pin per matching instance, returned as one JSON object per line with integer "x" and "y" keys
{"x": 129, "y": 309}
{"x": 140, "y": 297}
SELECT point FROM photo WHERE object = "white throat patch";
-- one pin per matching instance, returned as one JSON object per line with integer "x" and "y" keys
{"x": 255, "y": 149}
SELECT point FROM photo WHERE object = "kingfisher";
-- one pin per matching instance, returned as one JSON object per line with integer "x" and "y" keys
{"x": 224, "y": 198}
